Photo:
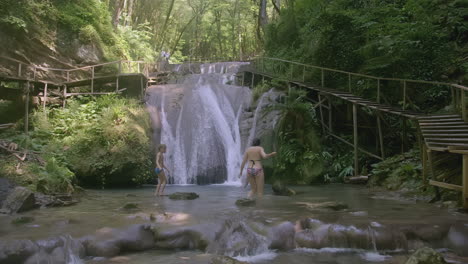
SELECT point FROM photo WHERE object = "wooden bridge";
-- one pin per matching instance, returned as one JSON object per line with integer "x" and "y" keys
{"x": 106, "y": 78}
{"x": 441, "y": 136}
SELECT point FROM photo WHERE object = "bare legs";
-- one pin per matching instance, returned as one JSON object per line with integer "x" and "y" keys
{"x": 256, "y": 183}
{"x": 161, "y": 183}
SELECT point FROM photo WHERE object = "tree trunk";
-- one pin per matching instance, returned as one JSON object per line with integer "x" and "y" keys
{"x": 180, "y": 35}
{"x": 117, "y": 12}
{"x": 168, "y": 16}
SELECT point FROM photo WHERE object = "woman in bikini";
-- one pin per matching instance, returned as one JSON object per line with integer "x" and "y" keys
{"x": 255, "y": 174}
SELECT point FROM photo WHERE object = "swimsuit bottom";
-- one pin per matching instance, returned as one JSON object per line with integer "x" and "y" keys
{"x": 254, "y": 171}
{"x": 158, "y": 170}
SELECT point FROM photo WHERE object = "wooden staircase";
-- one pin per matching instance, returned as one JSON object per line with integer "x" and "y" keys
{"x": 440, "y": 132}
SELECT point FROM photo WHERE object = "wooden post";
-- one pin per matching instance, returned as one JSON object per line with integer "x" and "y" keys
{"x": 349, "y": 82}
{"x": 329, "y": 114}
{"x": 292, "y": 71}
{"x": 303, "y": 74}
{"x": 355, "y": 136}
{"x": 424, "y": 163}
{"x": 117, "y": 84}
{"x": 403, "y": 137}
{"x": 253, "y": 79}
{"x": 463, "y": 105}
{"x": 64, "y": 96}
{"x": 323, "y": 79}
{"x": 45, "y": 95}
{"x": 138, "y": 67}
{"x": 381, "y": 143}
{"x": 453, "y": 97}
{"x": 321, "y": 113}
{"x": 92, "y": 79}
{"x": 26, "y": 109}
{"x": 465, "y": 181}
{"x": 378, "y": 90}
{"x": 141, "y": 86}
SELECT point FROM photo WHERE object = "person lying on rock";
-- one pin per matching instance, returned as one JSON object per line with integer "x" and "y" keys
{"x": 255, "y": 174}
{"x": 160, "y": 167}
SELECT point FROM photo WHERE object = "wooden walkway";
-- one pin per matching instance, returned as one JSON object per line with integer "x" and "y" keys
{"x": 441, "y": 133}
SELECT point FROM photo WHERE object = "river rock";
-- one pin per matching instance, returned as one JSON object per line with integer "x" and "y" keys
{"x": 181, "y": 239}
{"x": 5, "y": 187}
{"x": 22, "y": 220}
{"x": 426, "y": 255}
{"x": 245, "y": 202}
{"x": 20, "y": 199}
{"x": 16, "y": 251}
{"x": 183, "y": 196}
{"x": 110, "y": 242}
{"x": 236, "y": 238}
{"x": 335, "y": 206}
{"x": 130, "y": 206}
{"x": 282, "y": 236}
{"x": 226, "y": 260}
{"x": 280, "y": 189}
{"x": 458, "y": 238}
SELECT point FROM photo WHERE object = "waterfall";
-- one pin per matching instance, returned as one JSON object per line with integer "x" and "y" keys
{"x": 198, "y": 120}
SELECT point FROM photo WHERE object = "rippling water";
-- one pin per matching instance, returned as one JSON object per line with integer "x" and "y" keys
{"x": 102, "y": 208}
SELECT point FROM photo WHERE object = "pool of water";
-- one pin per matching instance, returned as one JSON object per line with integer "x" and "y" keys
{"x": 103, "y": 208}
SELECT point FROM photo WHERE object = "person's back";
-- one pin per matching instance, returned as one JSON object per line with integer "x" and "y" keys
{"x": 255, "y": 175}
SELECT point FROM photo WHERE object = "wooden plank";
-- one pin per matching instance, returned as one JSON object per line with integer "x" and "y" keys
{"x": 442, "y": 120}
{"x": 448, "y": 140}
{"x": 321, "y": 114}
{"x": 45, "y": 96}
{"x": 381, "y": 141}
{"x": 435, "y": 144}
{"x": 442, "y": 123}
{"x": 447, "y": 128}
{"x": 330, "y": 127}
{"x": 446, "y": 185}
{"x": 449, "y": 135}
{"x": 438, "y": 116}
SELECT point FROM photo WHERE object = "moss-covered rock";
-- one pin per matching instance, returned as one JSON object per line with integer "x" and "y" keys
{"x": 183, "y": 196}
{"x": 426, "y": 255}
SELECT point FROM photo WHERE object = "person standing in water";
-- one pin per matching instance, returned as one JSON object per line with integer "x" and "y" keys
{"x": 255, "y": 175}
{"x": 160, "y": 167}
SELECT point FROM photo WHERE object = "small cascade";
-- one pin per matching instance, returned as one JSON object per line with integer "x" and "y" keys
{"x": 258, "y": 112}
{"x": 198, "y": 120}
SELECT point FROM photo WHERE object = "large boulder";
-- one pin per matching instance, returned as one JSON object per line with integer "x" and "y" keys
{"x": 183, "y": 196}
{"x": 20, "y": 199}
{"x": 426, "y": 255}
{"x": 281, "y": 189}
{"x": 458, "y": 238}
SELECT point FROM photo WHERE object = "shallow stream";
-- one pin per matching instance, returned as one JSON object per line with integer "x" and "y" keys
{"x": 366, "y": 214}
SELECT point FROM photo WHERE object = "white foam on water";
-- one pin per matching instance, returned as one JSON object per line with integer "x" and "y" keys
{"x": 374, "y": 256}
{"x": 256, "y": 258}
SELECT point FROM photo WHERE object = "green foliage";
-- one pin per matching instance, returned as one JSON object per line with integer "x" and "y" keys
{"x": 104, "y": 140}
{"x": 414, "y": 39}
{"x": 397, "y": 172}
{"x": 298, "y": 159}
{"x": 260, "y": 89}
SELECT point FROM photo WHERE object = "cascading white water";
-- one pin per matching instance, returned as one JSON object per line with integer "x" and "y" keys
{"x": 198, "y": 120}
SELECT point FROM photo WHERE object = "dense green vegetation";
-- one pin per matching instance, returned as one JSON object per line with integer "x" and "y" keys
{"x": 102, "y": 141}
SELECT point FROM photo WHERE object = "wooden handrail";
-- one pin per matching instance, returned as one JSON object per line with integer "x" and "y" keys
{"x": 366, "y": 75}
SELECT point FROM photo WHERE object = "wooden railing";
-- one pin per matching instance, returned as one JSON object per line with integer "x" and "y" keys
{"x": 304, "y": 72}
{"x": 21, "y": 70}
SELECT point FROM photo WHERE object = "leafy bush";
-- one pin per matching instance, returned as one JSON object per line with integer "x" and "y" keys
{"x": 105, "y": 141}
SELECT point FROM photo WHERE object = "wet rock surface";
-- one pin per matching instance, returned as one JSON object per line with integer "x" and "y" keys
{"x": 426, "y": 255}
{"x": 245, "y": 202}
{"x": 19, "y": 199}
{"x": 5, "y": 187}
{"x": 282, "y": 236}
{"x": 183, "y": 196}
{"x": 181, "y": 239}
{"x": 280, "y": 189}
{"x": 226, "y": 260}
